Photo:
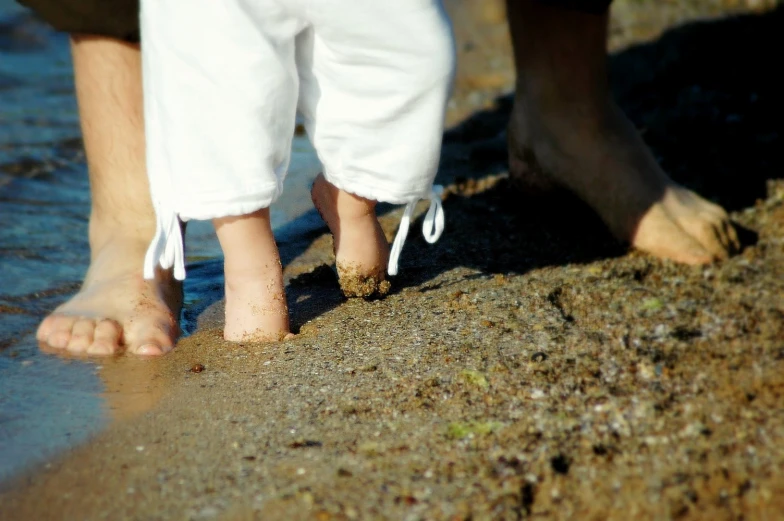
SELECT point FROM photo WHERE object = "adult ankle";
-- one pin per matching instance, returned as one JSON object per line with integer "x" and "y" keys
{"x": 107, "y": 229}
{"x": 534, "y": 96}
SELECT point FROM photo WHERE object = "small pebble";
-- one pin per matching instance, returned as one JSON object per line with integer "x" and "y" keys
{"x": 539, "y": 356}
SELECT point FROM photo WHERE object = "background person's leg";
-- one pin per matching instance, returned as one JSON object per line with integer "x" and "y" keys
{"x": 585, "y": 6}
{"x": 566, "y": 126}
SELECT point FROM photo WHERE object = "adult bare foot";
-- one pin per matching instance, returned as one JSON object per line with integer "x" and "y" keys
{"x": 116, "y": 310}
{"x": 256, "y": 309}
{"x": 361, "y": 248}
{"x": 566, "y": 131}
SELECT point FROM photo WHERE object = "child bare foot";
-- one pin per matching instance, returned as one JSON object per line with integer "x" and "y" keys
{"x": 361, "y": 248}
{"x": 256, "y": 309}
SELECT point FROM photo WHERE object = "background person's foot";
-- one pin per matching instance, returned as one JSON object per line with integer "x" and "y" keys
{"x": 601, "y": 158}
{"x": 566, "y": 130}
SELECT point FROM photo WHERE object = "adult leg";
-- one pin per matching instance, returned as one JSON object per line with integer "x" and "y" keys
{"x": 566, "y": 130}
{"x": 115, "y": 308}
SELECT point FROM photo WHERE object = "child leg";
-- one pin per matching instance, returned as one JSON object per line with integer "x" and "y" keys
{"x": 255, "y": 299}
{"x": 361, "y": 248}
{"x": 220, "y": 88}
{"x": 375, "y": 78}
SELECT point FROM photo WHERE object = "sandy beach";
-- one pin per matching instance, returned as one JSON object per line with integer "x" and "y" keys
{"x": 527, "y": 366}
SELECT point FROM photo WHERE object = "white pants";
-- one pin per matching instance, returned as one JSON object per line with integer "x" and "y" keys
{"x": 223, "y": 80}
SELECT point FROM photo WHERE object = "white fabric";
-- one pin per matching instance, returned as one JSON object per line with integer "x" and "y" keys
{"x": 223, "y": 80}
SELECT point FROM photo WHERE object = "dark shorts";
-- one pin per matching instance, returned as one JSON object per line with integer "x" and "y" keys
{"x": 120, "y": 18}
{"x": 115, "y": 18}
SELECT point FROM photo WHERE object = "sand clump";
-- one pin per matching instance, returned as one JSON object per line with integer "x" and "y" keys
{"x": 355, "y": 283}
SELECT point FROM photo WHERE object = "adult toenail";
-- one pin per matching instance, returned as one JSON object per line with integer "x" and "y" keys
{"x": 150, "y": 349}
{"x": 57, "y": 342}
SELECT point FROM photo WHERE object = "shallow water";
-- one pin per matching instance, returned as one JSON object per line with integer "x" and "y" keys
{"x": 48, "y": 403}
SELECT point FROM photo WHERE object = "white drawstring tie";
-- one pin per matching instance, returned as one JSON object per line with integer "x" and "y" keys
{"x": 432, "y": 227}
{"x": 166, "y": 248}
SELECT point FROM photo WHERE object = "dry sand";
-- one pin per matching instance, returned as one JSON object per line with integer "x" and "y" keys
{"x": 525, "y": 367}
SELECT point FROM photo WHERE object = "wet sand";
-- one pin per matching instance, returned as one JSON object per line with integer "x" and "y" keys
{"x": 525, "y": 367}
